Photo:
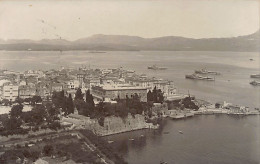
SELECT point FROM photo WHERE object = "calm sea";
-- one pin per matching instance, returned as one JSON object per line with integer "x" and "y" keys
{"x": 205, "y": 139}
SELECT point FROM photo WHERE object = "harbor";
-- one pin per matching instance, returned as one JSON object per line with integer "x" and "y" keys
{"x": 210, "y": 110}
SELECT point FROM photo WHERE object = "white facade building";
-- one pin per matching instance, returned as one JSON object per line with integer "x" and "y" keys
{"x": 10, "y": 92}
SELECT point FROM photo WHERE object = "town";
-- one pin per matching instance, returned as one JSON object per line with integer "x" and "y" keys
{"x": 98, "y": 101}
{"x": 73, "y": 107}
{"x": 105, "y": 85}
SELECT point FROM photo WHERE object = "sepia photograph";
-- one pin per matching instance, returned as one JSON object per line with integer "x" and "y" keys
{"x": 129, "y": 82}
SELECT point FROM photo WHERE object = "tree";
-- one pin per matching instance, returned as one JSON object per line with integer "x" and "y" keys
{"x": 36, "y": 99}
{"x": 48, "y": 150}
{"x": 16, "y": 111}
{"x": 12, "y": 123}
{"x": 19, "y": 100}
{"x": 155, "y": 94}
{"x": 28, "y": 100}
{"x": 59, "y": 100}
{"x": 127, "y": 101}
{"x": 70, "y": 105}
{"x": 89, "y": 98}
{"x": 160, "y": 96}
{"x": 149, "y": 96}
{"x": 38, "y": 114}
{"x": 83, "y": 107}
{"x": 78, "y": 95}
{"x": 101, "y": 108}
{"x": 6, "y": 102}
{"x": 55, "y": 125}
{"x": 188, "y": 103}
{"x": 27, "y": 117}
{"x": 121, "y": 110}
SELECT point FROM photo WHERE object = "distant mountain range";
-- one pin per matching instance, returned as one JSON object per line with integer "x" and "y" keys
{"x": 102, "y": 42}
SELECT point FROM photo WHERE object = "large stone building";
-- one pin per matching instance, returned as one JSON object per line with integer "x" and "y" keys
{"x": 10, "y": 92}
{"x": 167, "y": 87}
{"x": 118, "y": 91}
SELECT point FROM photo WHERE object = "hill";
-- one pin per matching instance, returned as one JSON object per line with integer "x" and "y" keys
{"x": 102, "y": 42}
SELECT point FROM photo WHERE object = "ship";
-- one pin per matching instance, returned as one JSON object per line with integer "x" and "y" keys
{"x": 154, "y": 67}
{"x": 97, "y": 52}
{"x": 204, "y": 71}
{"x": 255, "y": 83}
{"x": 199, "y": 77}
{"x": 255, "y": 76}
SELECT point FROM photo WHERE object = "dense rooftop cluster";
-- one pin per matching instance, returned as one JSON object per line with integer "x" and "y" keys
{"x": 111, "y": 83}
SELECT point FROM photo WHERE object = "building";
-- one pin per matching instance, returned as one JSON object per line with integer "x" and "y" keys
{"x": 167, "y": 87}
{"x": 147, "y": 83}
{"x": 10, "y": 92}
{"x": 26, "y": 91}
{"x": 89, "y": 83}
{"x": 44, "y": 92}
{"x": 118, "y": 91}
{"x": 80, "y": 77}
{"x": 73, "y": 84}
{"x": 56, "y": 87}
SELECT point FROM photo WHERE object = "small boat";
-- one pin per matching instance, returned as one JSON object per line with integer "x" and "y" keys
{"x": 255, "y": 83}
{"x": 255, "y": 76}
{"x": 166, "y": 132}
{"x": 251, "y": 59}
{"x": 142, "y": 135}
{"x": 131, "y": 139}
{"x": 180, "y": 132}
{"x": 162, "y": 162}
{"x": 154, "y": 67}
{"x": 110, "y": 142}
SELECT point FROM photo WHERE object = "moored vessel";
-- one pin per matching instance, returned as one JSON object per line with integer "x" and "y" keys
{"x": 255, "y": 76}
{"x": 154, "y": 67}
{"x": 199, "y": 77}
{"x": 205, "y": 71}
{"x": 255, "y": 83}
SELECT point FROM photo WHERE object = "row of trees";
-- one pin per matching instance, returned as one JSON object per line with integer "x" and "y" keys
{"x": 41, "y": 115}
{"x": 85, "y": 107}
{"x": 32, "y": 101}
{"x": 48, "y": 112}
{"x": 62, "y": 103}
{"x": 155, "y": 96}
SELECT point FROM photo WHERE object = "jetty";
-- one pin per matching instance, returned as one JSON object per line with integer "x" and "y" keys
{"x": 228, "y": 109}
{"x": 179, "y": 114}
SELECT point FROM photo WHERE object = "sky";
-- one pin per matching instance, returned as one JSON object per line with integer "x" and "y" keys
{"x": 72, "y": 20}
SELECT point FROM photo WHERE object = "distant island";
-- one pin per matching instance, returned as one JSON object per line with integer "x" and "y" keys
{"x": 100, "y": 42}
